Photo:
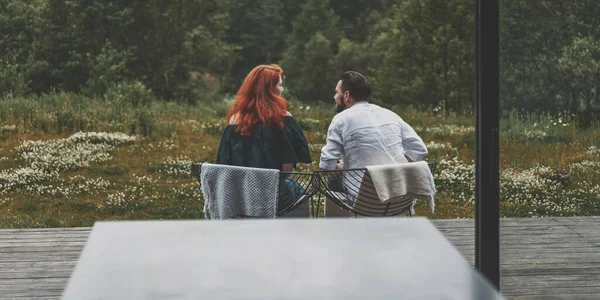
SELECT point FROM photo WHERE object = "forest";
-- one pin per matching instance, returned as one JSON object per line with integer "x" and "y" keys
{"x": 415, "y": 52}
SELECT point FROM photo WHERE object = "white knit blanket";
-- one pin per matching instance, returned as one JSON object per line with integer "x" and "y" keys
{"x": 233, "y": 191}
{"x": 397, "y": 182}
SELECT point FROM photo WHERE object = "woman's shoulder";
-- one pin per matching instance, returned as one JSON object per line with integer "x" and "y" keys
{"x": 233, "y": 120}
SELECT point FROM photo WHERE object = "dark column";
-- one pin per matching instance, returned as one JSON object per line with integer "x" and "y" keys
{"x": 487, "y": 175}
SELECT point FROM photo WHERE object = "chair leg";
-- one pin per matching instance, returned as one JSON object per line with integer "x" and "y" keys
{"x": 386, "y": 209}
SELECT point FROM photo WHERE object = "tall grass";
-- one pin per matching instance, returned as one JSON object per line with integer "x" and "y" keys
{"x": 52, "y": 175}
{"x": 66, "y": 113}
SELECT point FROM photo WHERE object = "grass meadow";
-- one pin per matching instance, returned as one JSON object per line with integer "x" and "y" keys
{"x": 67, "y": 160}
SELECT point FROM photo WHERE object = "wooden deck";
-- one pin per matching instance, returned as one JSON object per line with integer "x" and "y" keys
{"x": 541, "y": 258}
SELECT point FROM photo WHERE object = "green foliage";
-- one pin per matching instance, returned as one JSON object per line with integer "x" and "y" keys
{"x": 129, "y": 108}
{"x": 427, "y": 54}
{"x": 310, "y": 48}
{"x": 21, "y": 33}
{"x": 12, "y": 77}
{"x": 580, "y": 62}
{"x": 415, "y": 52}
{"x": 258, "y": 29}
{"x": 351, "y": 56}
{"x": 91, "y": 46}
{"x": 536, "y": 128}
{"x": 108, "y": 68}
{"x": 540, "y": 42}
{"x": 144, "y": 122}
{"x": 131, "y": 93}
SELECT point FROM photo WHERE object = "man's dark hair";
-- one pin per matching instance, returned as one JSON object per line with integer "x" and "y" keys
{"x": 356, "y": 84}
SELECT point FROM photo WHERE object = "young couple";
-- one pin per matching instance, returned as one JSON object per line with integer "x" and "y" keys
{"x": 263, "y": 134}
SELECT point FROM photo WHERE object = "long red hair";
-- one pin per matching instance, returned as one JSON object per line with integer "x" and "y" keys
{"x": 258, "y": 101}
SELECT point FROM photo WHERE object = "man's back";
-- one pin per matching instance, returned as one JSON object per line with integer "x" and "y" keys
{"x": 366, "y": 134}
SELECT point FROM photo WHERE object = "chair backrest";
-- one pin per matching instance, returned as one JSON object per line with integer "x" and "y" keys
{"x": 353, "y": 189}
{"x": 294, "y": 192}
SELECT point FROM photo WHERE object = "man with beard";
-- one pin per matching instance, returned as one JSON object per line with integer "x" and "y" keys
{"x": 364, "y": 134}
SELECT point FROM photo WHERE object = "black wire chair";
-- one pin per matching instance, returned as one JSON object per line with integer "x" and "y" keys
{"x": 294, "y": 198}
{"x": 353, "y": 191}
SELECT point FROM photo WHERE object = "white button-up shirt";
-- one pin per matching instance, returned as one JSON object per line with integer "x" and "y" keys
{"x": 366, "y": 134}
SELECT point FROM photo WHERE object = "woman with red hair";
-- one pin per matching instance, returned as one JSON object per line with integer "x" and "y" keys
{"x": 261, "y": 132}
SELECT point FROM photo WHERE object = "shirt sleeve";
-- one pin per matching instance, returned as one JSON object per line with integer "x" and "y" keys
{"x": 334, "y": 147}
{"x": 413, "y": 145}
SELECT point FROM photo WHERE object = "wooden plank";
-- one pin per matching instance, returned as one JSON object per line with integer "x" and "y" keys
{"x": 60, "y": 248}
{"x": 41, "y": 237}
{"x": 506, "y": 251}
{"x": 582, "y": 225}
{"x": 552, "y": 291}
{"x": 547, "y": 270}
{"x": 22, "y": 233}
{"x": 514, "y": 269}
{"x": 571, "y": 268}
{"x": 35, "y": 237}
{"x": 557, "y": 246}
{"x": 534, "y": 239}
{"x": 465, "y": 223}
{"x": 508, "y": 256}
{"x": 565, "y": 261}
{"x": 37, "y": 254}
{"x": 525, "y": 230}
{"x": 55, "y": 289}
{"x": 590, "y": 232}
{"x": 36, "y": 270}
{"x": 58, "y": 229}
{"x": 43, "y": 244}
{"x": 45, "y": 256}
{"x": 531, "y": 284}
{"x": 64, "y": 273}
{"x": 34, "y": 288}
{"x": 590, "y": 235}
{"x": 12, "y": 242}
{"x": 515, "y": 280}
{"x": 33, "y": 294}
{"x": 533, "y": 222}
{"x": 575, "y": 296}
{"x": 4, "y": 266}
{"x": 583, "y": 269}
{"x": 595, "y": 255}
{"x": 515, "y": 227}
{"x": 516, "y": 237}
{"x": 29, "y": 297}
{"x": 32, "y": 281}
{"x": 508, "y": 231}
{"x": 595, "y": 241}
{"x": 571, "y": 220}
{"x": 555, "y": 237}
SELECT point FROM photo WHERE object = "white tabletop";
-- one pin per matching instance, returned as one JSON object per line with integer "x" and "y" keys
{"x": 391, "y": 258}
